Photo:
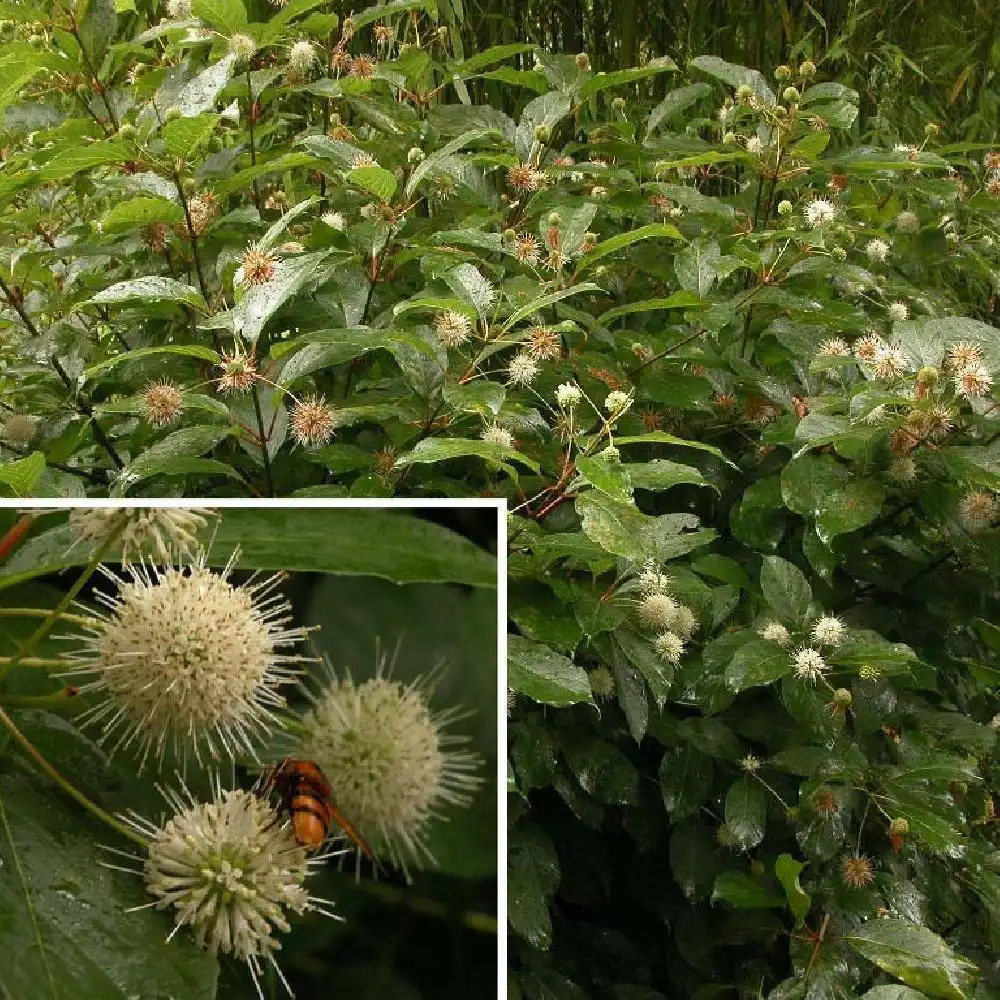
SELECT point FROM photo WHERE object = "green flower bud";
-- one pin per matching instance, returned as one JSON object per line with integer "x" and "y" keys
{"x": 190, "y": 185}
{"x": 172, "y": 113}
{"x": 744, "y": 92}
{"x": 619, "y": 103}
{"x": 838, "y": 254}
{"x": 415, "y": 155}
{"x": 780, "y": 111}
{"x": 542, "y": 133}
{"x": 729, "y": 138}
{"x": 127, "y": 131}
{"x": 807, "y": 69}
{"x": 554, "y": 218}
{"x": 784, "y": 207}
{"x": 509, "y": 236}
{"x": 899, "y": 827}
{"x": 931, "y": 129}
{"x": 790, "y": 95}
{"x": 782, "y": 72}
{"x": 842, "y": 697}
{"x": 582, "y": 61}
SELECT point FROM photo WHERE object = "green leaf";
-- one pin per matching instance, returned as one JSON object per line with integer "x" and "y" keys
{"x": 445, "y": 449}
{"x": 140, "y": 212}
{"x": 23, "y": 473}
{"x": 183, "y": 136}
{"x": 164, "y": 456}
{"x": 97, "y": 20}
{"x": 917, "y": 956}
{"x": 735, "y": 75}
{"x": 622, "y": 240}
{"x": 375, "y": 180}
{"x": 686, "y": 776}
{"x": 662, "y": 437}
{"x": 602, "y": 770}
{"x": 184, "y": 350}
{"x": 602, "y": 81}
{"x": 260, "y": 302}
{"x": 786, "y": 589}
{"x": 679, "y": 300}
{"x": 661, "y": 474}
{"x": 201, "y": 93}
{"x": 746, "y": 811}
{"x": 62, "y": 912}
{"x": 697, "y": 266}
{"x": 532, "y": 877}
{"x": 543, "y": 301}
{"x": 674, "y": 103}
{"x": 151, "y": 289}
{"x": 544, "y": 675}
{"x": 744, "y": 891}
{"x": 440, "y": 156}
{"x": 787, "y": 870}
{"x": 757, "y": 663}
{"x": 226, "y": 15}
{"x": 609, "y": 477}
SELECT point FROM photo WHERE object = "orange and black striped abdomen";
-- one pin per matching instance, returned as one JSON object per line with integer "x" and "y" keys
{"x": 311, "y": 819}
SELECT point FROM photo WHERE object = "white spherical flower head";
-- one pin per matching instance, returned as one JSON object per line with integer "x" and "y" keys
{"x": 877, "y": 250}
{"x": 669, "y": 647}
{"x": 19, "y": 429}
{"x": 775, "y": 632}
{"x": 497, "y": 434}
{"x": 387, "y": 756}
{"x": 179, "y": 10}
{"x": 522, "y": 369}
{"x": 652, "y": 581}
{"x": 242, "y": 46}
{"x": 334, "y": 220}
{"x": 685, "y": 623}
{"x": 657, "y": 611}
{"x": 975, "y": 380}
{"x": 829, "y": 631}
{"x": 754, "y": 145}
{"x": 452, "y": 328}
{"x": 820, "y": 212}
{"x": 907, "y": 222}
{"x": 568, "y": 395}
{"x": 898, "y": 311}
{"x": 166, "y": 532}
{"x": 301, "y": 56}
{"x": 602, "y": 683}
{"x": 810, "y": 665}
{"x": 187, "y": 660}
{"x": 230, "y": 871}
{"x": 617, "y": 402}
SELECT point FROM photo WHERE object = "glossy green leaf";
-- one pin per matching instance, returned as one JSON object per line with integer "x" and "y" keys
{"x": 151, "y": 289}
{"x": 544, "y": 675}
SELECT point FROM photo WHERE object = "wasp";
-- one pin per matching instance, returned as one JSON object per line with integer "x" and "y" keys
{"x": 306, "y": 795}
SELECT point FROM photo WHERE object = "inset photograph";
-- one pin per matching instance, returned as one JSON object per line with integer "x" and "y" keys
{"x": 249, "y": 752}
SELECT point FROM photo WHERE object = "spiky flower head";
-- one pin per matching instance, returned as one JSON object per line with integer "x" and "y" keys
{"x": 656, "y": 611}
{"x": 524, "y": 177}
{"x": 978, "y": 509}
{"x": 652, "y": 581}
{"x": 829, "y": 631}
{"x": 387, "y": 755}
{"x": 258, "y": 266}
{"x": 362, "y": 67}
{"x": 19, "y": 429}
{"x": 898, "y": 311}
{"x": 975, "y": 380}
{"x": 820, "y": 212}
{"x": 179, "y": 10}
{"x": 202, "y": 208}
{"x": 877, "y": 250}
{"x": 809, "y": 665}
{"x": 361, "y": 160}
{"x": 452, "y": 328}
{"x": 239, "y": 372}
{"x": 334, "y": 220}
{"x": 154, "y": 236}
{"x": 544, "y": 344}
{"x": 527, "y": 249}
{"x": 907, "y": 222}
{"x": 754, "y": 145}
{"x": 230, "y": 871}
{"x": 568, "y": 395}
{"x": 685, "y": 622}
{"x": 963, "y": 355}
{"x": 242, "y": 46}
{"x": 836, "y": 347}
{"x": 301, "y": 56}
{"x": 750, "y": 763}
{"x": 602, "y": 683}
{"x": 775, "y": 632}
{"x": 669, "y": 647}
{"x": 869, "y": 672}
{"x": 522, "y": 369}
{"x": 184, "y": 659}
{"x": 166, "y": 532}
{"x": 857, "y": 871}
{"x": 313, "y": 421}
{"x": 617, "y": 402}
{"x": 496, "y": 433}
{"x": 869, "y": 347}
{"x": 903, "y": 469}
{"x": 889, "y": 362}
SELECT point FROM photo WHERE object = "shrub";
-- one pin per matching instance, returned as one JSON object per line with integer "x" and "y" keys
{"x": 729, "y": 360}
